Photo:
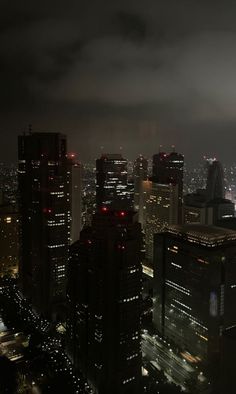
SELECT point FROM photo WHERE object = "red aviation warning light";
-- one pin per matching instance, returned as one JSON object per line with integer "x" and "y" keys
{"x": 47, "y": 210}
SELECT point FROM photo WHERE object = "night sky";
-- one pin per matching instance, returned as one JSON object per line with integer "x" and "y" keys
{"x": 135, "y": 74}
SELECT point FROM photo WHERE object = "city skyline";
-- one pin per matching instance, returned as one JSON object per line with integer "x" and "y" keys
{"x": 117, "y": 197}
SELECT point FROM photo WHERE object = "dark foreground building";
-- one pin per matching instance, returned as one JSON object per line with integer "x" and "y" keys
{"x": 195, "y": 291}
{"x": 44, "y": 203}
{"x": 104, "y": 303}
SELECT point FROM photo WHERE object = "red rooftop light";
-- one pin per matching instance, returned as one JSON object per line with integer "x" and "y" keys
{"x": 104, "y": 209}
{"x": 122, "y": 213}
{"x": 47, "y": 210}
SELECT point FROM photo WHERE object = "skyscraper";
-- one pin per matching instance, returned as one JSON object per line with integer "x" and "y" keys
{"x": 215, "y": 180}
{"x": 111, "y": 178}
{"x": 104, "y": 303}
{"x": 75, "y": 168}
{"x": 169, "y": 169}
{"x": 208, "y": 206}
{"x": 194, "y": 286}
{"x": 162, "y": 205}
{"x": 44, "y": 201}
{"x": 140, "y": 173}
{"x": 196, "y": 209}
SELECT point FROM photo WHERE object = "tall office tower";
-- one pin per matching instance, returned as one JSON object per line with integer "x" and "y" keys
{"x": 140, "y": 173}
{"x": 195, "y": 290}
{"x": 215, "y": 180}
{"x": 161, "y": 211}
{"x": 104, "y": 303}
{"x": 44, "y": 201}
{"x": 111, "y": 178}
{"x": 75, "y": 168}
{"x": 9, "y": 240}
{"x": 169, "y": 168}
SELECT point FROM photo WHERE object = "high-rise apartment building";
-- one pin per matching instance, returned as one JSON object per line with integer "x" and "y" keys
{"x": 111, "y": 182}
{"x": 44, "y": 202}
{"x": 168, "y": 168}
{"x": 195, "y": 290}
{"x": 140, "y": 174}
{"x": 104, "y": 303}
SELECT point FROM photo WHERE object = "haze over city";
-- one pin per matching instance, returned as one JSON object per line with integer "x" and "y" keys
{"x": 125, "y": 73}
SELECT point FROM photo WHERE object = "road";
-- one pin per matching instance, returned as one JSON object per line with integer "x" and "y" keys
{"x": 173, "y": 365}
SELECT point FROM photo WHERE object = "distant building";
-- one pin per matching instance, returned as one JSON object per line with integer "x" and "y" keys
{"x": 168, "y": 168}
{"x": 197, "y": 209}
{"x": 140, "y": 173}
{"x": 104, "y": 303}
{"x": 75, "y": 193}
{"x": 195, "y": 291}
{"x": 44, "y": 201}
{"x": 215, "y": 181}
{"x": 111, "y": 182}
{"x": 9, "y": 240}
{"x": 229, "y": 223}
{"x": 162, "y": 205}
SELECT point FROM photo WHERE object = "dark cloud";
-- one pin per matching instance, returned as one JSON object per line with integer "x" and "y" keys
{"x": 154, "y": 71}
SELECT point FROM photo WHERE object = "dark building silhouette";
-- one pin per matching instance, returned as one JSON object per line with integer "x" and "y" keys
{"x": 44, "y": 202}
{"x": 140, "y": 174}
{"x": 75, "y": 167}
{"x": 168, "y": 168}
{"x": 198, "y": 209}
{"x": 104, "y": 303}
{"x": 111, "y": 182}
{"x": 195, "y": 291}
{"x": 227, "y": 363}
{"x": 215, "y": 181}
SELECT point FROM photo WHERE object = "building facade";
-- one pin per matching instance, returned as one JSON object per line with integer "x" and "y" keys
{"x": 161, "y": 210}
{"x": 168, "y": 168}
{"x": 140, "y": 174}
{"x": 9, "y": 240}
{"x": 75, "y": 169}
{"x": 215, "y": 180}
{"x": 111, "y": 182}
{"x": 104, "y": 303}
{"x": 195, "y": 291}
{"x": 44, "y": 203}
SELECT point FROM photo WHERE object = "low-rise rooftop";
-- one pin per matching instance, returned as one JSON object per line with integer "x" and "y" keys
{"x": 210, "y": 236}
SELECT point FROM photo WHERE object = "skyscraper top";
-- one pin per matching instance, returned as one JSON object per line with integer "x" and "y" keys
{"x": 36, "y": 146}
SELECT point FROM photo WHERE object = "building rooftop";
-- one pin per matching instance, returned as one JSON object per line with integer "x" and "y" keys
{"x": 112, "y": 156}
{"x": 204, "y": 235}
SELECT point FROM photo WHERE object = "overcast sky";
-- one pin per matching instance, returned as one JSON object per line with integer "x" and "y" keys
{"x": 112, "y": 73}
